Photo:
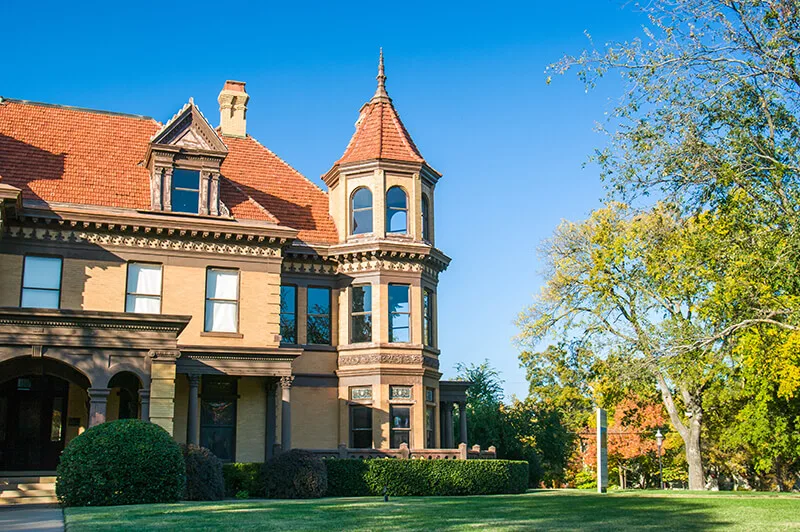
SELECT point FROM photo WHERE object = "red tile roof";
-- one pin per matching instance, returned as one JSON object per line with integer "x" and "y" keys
{"x": 70, "y": 155}
{"x": 380, "y": 134}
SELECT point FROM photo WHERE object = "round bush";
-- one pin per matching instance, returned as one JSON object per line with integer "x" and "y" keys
{"x": 129, "y": 461}
{"x": 204, "y": 480}
{"x": 295, "y": 475}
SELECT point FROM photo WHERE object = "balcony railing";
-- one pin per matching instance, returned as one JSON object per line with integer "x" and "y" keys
{"x": 404, "y": 453}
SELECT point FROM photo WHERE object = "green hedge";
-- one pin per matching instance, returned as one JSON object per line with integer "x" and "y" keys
{"x": 243, "y": 477}
{"x": 425, "y": 477}
{"x": 128, "y": 461}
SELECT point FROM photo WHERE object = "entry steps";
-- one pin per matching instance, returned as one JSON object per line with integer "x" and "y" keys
{"x": 27, "y": 490}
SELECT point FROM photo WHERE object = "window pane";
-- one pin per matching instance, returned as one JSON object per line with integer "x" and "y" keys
{"x": 401, "y": 416}
{"x": 185, "y": 201}
{"x": 288, "y": 299}
{"x": 221, "y": 316}
{"x": 362, "y": 199}
{"x": 288, "y": 329}
{"x": 396, "y": 222}
{"x": 425, "y": 219}
{"x": 186, "y": 179}
{"x": 399, "y": 328}
{"x": 218, "y": 413}
{"x": 400, "y": 436}
{"x": 33, "y": 298}
{"x": 144, "y": 279}
{"x": 222, "y": 284}
{"x": 42, "y": 272}
{"x": 319, "y": 330}
{"x": 396, "y": 198}
{"x": 362, "y": 328}
{"x": 319, "y": 301}
{"x": 398, "y": 298}
{"x": 362, "y": 298}
{"x": 362, "y": 417}
{"x": 143, "y": 304}
{"x": 362, "y": 439}
{"x": 219, "y": 440}
{"x": 362, "y": 222}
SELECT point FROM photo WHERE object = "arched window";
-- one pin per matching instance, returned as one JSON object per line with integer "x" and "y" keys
{"x": 396, "y": 211}
{"x": 426, "y": 219}
{"x": 362, "y": 212}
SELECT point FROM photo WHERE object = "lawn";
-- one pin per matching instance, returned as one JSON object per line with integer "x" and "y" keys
{"x": 560, "y": 509}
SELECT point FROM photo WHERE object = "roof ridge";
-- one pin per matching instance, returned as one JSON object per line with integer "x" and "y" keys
{"x": 20, "y": 101}
{"x": 287, "y": 165}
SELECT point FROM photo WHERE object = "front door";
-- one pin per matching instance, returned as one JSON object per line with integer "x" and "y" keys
{"x": 33, "y": 415}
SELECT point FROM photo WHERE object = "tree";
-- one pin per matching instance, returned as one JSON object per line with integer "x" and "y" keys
{"x": 629, "y": 284}
{"x": 484, "y": 397}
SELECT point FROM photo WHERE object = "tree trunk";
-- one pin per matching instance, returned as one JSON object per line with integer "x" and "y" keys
{"x": 694, "y": 459}
{"x": 690, "y": 434}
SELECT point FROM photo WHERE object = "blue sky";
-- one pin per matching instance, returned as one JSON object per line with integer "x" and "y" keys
{"x": 468, "y": 81}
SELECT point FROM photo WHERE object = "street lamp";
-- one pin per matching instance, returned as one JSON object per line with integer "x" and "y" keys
{"x": 659, "y": 442}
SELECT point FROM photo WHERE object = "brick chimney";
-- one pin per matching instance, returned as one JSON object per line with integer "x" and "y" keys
{"x": 233, "y": 109}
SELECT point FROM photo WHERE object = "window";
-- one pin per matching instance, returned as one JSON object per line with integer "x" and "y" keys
{"x": 185, "y": 191}
{"x": 143, "y": 293}
{"x": 288, "y": 314}
{"x": 401, "y": 426}
{"x": 319, "y": 316}
{"x": 362, "y": 212}
{"x": 399, "y": 313}
{"x": 430, "y": 427}
{"x": 360, "y": 427}
{"x": 427, "y": 317}
{"x": 218, "y": 416}
{"x": 41, "y": 282}
{"x": 426, "y": 218}
{"x": 222, "y": 300}
{"x": 396, "y": 211}
{"x": 361, "y": 314}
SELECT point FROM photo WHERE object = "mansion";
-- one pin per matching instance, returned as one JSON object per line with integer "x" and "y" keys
{"x": 184, "y": 274}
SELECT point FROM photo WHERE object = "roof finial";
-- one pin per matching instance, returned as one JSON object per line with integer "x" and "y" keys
{"x": 381, "y": 90}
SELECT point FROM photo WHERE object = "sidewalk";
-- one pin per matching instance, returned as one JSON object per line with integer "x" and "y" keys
{"x": 38, "y": 518}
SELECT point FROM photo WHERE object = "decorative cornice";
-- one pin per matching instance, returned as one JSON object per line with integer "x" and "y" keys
{"x": 92, "y": 319}
{"x": 388, "y": 358}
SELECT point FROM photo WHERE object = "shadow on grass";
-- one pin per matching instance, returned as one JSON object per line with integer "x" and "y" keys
{"x": 551, "y": 510}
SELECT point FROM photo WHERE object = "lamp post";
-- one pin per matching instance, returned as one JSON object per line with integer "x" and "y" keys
{"x": 659, "y": 442}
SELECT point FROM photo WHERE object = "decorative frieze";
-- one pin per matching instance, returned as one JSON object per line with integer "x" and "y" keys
{"x": 399, "y": 393}
{"x": 389, "y": 358}
{"x": 361, "y": 393}
{"x": 156, "y": 238}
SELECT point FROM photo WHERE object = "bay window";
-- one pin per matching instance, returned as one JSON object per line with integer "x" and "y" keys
{"x": 318, "y": 317}
{"x": 288, "y": 316}
{"x": 399, "y": 313}
{"x": 400, "y": 417}
{"x": 361, "y": 427}
{"x": 361, "y": 314}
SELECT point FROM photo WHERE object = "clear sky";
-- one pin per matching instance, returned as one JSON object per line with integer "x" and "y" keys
{"x": 467, "y": 80}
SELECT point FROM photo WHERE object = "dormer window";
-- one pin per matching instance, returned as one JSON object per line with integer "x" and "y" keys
{"x": 186, "y": 191}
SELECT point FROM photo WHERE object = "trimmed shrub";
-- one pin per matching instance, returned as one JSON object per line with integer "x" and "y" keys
{"x": 204, "y": 480}
{"x": 243, "y": 478}
{"x": 426, "y": 477}
{"x": 347, "y": 478}
{"x": 128, "y": 461}
{"x": 295, "y": 475}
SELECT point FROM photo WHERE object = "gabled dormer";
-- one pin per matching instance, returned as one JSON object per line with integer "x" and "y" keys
{"x": 184, "y": 160}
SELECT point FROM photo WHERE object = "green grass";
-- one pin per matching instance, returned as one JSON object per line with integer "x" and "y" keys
{"x": 542, "y": 510}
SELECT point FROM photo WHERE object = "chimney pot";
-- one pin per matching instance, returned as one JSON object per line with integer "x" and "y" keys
{"x": 233, "y": 109}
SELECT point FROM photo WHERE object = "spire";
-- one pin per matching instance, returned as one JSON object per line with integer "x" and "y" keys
{"x": 380, "y": 92}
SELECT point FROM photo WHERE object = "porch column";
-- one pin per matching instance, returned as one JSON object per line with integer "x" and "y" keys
{"x": 286, "y": 413}
{"x": 98, "y": 400}
{"x": 192, "y": 427}
{"x": 144, "y": 402}
{"x": 462, "y": 418}
{"x": 269, "y": 441}
{"x": 162, "y": 388}
{"x": 448, "y": 426}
